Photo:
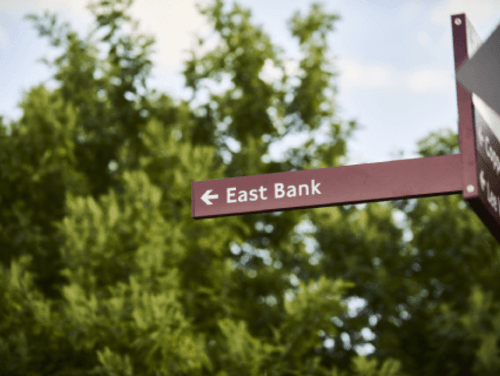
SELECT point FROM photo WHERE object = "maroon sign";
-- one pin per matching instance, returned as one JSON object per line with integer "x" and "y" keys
{"x": 327, "y": 186}
{"x": 475, "y": 172}
{"x": 479, "y": 134}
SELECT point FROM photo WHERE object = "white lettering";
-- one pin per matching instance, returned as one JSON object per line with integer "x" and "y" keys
{"x": 279, "y": 191}
{"x": 253, "y": 195}
{"x": 230, "y": 193}
{"x": 242, "y": 196}
{"x": 492, "y": 199}
{"x": 262, "y": 190}
{"x": 492, "y": 156}
{"x": 292, "y": 191}
{"x": 314, "y": 188}
{"x": 306, "y": 187}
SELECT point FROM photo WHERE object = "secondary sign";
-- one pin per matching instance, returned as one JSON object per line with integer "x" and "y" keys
{"x": 480, "y": 74}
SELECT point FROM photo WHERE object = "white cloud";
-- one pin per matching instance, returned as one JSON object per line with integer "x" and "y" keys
{"x": 480, "y": 11}
{"x": 356, "y": 75}
{"x": 173, "y": 23}
{"x": 4, "y": 37}
{"x": 430, "y": 81}
{"x": 23, "y": 6}
{"x": 73, "y": 11}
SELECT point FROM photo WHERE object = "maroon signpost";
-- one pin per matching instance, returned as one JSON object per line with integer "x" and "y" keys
{"x": 479, "y": 133}
{"x": 475, "y": 172}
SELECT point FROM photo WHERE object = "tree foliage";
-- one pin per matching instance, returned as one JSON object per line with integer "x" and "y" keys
{"x": 104, "y": 272}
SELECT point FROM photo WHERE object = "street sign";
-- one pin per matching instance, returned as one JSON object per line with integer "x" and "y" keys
{"x": 480, "y": 74}
{"x": 475, "y": 172}
{"x": 479, "y": 124}
{"x": 327, "y": 186}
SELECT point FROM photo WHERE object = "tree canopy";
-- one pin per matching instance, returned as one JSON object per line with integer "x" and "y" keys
{"x": 103, "y": 271}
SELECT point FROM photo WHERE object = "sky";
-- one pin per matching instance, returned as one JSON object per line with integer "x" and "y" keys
{"x": 394, "y": 58}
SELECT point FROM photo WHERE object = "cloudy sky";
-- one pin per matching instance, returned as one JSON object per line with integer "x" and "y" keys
{"x": 395, "y": 58}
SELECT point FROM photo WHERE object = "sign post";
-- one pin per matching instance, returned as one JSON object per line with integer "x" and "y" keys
{"x": 478, "y": 123}
{"x": 475, "y": 172}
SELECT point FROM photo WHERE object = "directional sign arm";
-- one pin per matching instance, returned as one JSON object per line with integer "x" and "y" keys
{"x": 330, "y": 186}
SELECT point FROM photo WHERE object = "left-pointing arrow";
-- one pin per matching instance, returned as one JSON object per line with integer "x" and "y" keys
{"x": 207, "y": 197}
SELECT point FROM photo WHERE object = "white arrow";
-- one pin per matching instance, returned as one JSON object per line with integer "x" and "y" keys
{"x": 482, "y": 180}
{"x": 207, "y": 197}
